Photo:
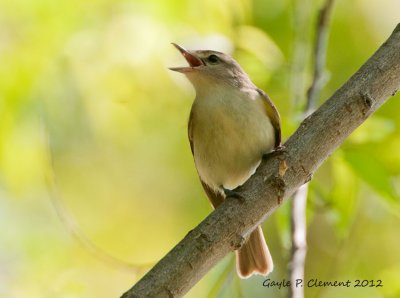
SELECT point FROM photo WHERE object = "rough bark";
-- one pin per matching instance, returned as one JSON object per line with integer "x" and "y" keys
{"x": 226, "y": 228}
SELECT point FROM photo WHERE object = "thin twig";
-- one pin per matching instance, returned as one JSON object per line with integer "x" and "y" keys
{"x": 299, "y": 203}
{"x": 320, "y": 46}
{"x": 299, "y": 240}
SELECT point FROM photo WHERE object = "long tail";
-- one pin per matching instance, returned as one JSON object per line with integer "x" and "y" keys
{"x": 254, "y": 256}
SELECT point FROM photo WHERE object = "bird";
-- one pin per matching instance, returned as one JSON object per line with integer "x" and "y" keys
{"x": 232, "y": 125}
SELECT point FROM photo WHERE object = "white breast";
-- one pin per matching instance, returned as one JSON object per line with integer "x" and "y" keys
{"x": 230, "y": 133}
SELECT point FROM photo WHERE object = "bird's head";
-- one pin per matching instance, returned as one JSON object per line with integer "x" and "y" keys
{"x": 209, "y": 68}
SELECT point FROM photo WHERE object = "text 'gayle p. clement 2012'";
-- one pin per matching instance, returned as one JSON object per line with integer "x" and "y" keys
{"x": 316, "y": 283}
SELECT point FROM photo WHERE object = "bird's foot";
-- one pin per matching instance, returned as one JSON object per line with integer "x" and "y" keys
{"x": 281, "y": 149}
{"x": 233, "y": 194}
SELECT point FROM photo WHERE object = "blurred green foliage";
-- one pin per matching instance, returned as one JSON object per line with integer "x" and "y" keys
{"x": 88, "y": 106}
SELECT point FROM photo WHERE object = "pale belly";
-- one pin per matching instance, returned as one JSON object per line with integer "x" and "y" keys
{"x": 229, "y": 141}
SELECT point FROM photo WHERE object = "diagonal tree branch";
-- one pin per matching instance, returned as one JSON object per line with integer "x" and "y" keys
{"x": 278, "y": 177}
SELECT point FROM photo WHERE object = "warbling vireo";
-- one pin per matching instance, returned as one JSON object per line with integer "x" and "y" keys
{"x": 232, "y": 124}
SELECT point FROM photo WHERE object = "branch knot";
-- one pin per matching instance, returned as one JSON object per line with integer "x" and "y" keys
{"x": 368, "y": 102}
{"x": 278, "y": 183}
{"x": 238, "y": 242}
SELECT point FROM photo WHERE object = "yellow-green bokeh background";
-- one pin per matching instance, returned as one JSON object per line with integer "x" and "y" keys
{"x": 89, "y": 114}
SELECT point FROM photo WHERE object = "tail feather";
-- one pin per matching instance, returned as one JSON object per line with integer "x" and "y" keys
{"x": 254, "y": 257}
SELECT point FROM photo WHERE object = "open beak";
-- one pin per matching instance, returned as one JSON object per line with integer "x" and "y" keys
{"x": 190, "y": 58}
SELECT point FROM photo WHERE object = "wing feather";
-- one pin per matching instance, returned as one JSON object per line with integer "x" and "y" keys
{"x": 273, "y": 115}
{"x": 215, "y": 197}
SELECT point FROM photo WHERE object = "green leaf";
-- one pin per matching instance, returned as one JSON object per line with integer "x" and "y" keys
{"x": 372, "y": 171}
{"x": 282, "y": 221}
{"x": 375, "y": 129}
{"x": 344, "y": 193}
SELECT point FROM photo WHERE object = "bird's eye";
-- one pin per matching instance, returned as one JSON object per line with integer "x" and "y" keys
{"x": 213, "y": 59}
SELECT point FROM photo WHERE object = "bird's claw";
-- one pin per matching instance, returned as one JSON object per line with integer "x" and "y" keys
{"x": 233, "y": 194}
{"x": 276, "y": 151}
